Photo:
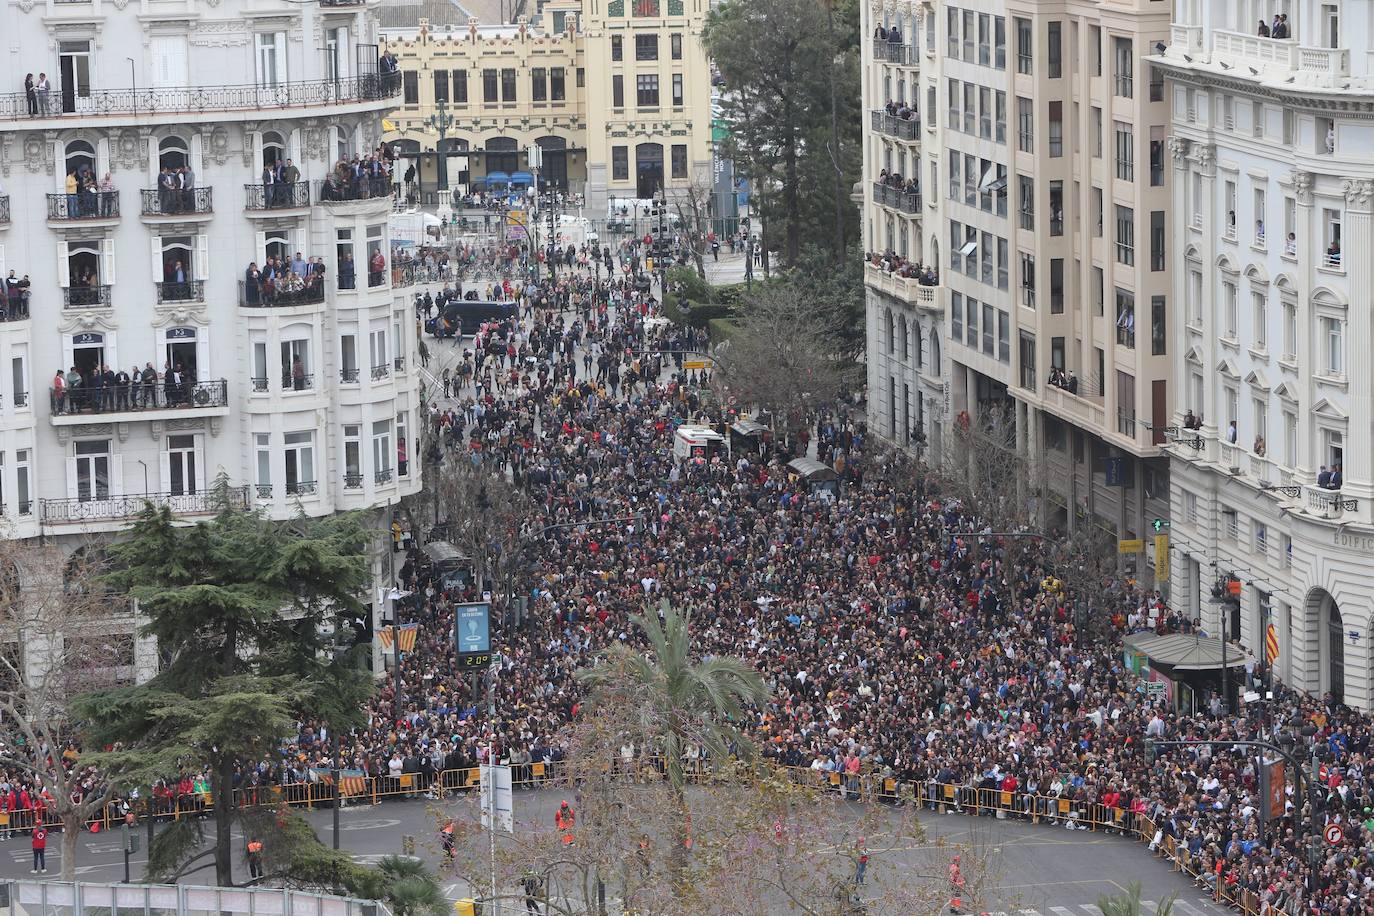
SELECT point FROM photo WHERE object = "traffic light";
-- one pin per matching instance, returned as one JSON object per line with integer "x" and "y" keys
{"x": 1160, "y": 525}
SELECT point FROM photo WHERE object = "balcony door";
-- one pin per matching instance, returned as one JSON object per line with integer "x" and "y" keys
{"x": 74, "y": 71}
{"x": 182, "y": 470}
{"x": 94, "y": 475}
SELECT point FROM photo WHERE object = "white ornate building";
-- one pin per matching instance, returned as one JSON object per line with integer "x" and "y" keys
{"x": 302, "y": 404}
{"x": 1039, "y": 146}
{"x": 1273, "y": 220}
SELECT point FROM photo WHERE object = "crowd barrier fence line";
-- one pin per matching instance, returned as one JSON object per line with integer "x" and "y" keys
{"x": 943, "y": 798}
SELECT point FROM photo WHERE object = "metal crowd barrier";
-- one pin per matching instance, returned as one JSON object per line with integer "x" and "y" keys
{"x": 968, "y": 800}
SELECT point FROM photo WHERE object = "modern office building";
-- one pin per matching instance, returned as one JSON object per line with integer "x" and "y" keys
{"x": 616, "y": 95}
{"x": 1271, "y": 219}
{"x": 1037, "y": 140}
{"x": 306, "y": 400}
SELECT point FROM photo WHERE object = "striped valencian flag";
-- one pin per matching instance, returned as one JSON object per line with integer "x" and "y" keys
{"x": 407, "y": 637}
{"x": 1271, "y": 644}
{"x": 353, "y": 782}
{"x": 384, "y": 634}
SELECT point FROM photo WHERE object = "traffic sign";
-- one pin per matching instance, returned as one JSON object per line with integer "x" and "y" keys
{"x": 1155, "y": 688}
{"x": 696, "y": 364}
{"x": 1130, "y": 545}
{"x": 1333, "y": 834}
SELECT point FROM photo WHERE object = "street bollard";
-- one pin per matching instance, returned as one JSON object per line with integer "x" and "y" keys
{"x": 408, "y": 845}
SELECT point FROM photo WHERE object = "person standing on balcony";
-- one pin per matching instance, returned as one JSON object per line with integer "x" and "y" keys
{"x": 187, "y": 180}
{"x": 30, "y": 94}
{"x": 107, "y": 192}
{"x": 1263, "y": 29}
{"x": 41, "y": 90}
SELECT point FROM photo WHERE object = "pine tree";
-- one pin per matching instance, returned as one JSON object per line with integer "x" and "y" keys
{"x": 237, "y": 606}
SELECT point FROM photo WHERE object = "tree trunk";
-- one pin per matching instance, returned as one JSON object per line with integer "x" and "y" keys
{"x": 71, "y": 833}
{"x": 677, "y": 860}
{"x": 224, "y": 823}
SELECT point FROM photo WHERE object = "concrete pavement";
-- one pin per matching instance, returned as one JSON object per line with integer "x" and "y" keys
{"x": 1051, "y": 871}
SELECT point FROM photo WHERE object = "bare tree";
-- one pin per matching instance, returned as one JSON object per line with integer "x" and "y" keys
{"x": 787, "y": 357}
{"x": 758, "y": 840}
{"x": 61, "y": 634}
{"x": 693, "y": 204}
{"x": 485, "y": 516}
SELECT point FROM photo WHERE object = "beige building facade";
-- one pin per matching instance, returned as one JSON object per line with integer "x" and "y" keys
{"x": 1036, "y": 134}
{"x": 617, "y": 96}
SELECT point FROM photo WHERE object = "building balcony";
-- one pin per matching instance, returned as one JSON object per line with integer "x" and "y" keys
{"x": 348, "y": 376}
{"x": 169, "y": 203}
{"x": 896, "y": 198}
{"x": 134, "y": 401}
{"x": 895, "y": 52}
{"x": 173, "y": 100}
{"x": 353, "y": 481}
{"x": 1079, "y": 409}
{"x": 1325, "y": 503}
{"x": 330, "y": 191}
{"x": 85, "y": 297}
{"x": 189, "y": 291}
{"x": 399, "y": 364}
{"x": 115, "y": 508}
{"x": 382, "y": 477}
{"x": 4, "y": 209}
{"x": 85, "y": 207}
{"x": 260, "y": 296}
{"x": 262, "y": 198}
{"x": 905, "y": 289}
{"x": 14, "y": 309}
{"x": 1278, "y": 54}
{"x": 381, "y": 373}
{"x": 301, "y": 488}
{"x": 893, "y": 126}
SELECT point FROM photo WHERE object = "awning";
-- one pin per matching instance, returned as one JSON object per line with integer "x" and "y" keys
{"x": 498, "y": 178}
{"x": 524, "y": 178}
{"x": 1182, "y": 652}
{"x": 811, "y": 469}
{"x": 442, "y": 553}
{"x": 748, "y": 428}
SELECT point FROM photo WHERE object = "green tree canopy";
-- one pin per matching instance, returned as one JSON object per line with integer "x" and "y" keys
{"x": 240, "y": 607}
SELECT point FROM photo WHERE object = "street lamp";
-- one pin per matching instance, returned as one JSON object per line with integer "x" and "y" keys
{"x": 441, "y": 121}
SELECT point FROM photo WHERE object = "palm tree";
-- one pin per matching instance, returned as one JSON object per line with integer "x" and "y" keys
{"x": 1128, "y": 904}
{"x": 680, "y": 701}
{"x": 677, "y": 701}
{"x": 409, "y": 888}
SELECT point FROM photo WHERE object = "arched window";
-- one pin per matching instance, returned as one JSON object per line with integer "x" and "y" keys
{"x": 902, "y": 334}
{"x": 935, "y": 350}
{"x": 273, "y": 148}
{"x": 648, "y": 169}
{"x": 891, "y": 335}
{"x": 80, "y": 159}
{"x": 173, "y": 153}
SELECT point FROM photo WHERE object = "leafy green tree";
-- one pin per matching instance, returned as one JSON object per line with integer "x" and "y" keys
{"x": 240, "y": 607}
{"x": 677, "y": 701}
{"x": 406, "y": 886}
{"x": 791, "y": 72}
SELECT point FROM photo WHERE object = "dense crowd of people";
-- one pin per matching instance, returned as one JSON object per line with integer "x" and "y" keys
{"x": 892, "y": 648}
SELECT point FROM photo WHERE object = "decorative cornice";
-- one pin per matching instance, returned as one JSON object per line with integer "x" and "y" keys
{"x": 1345, "y": 102}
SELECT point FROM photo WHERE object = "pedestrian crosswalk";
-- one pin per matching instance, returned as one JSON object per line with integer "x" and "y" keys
{"x": 1178, "y": 907}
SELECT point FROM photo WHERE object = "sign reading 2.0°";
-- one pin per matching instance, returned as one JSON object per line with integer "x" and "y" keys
{"x": 472, "y": 625}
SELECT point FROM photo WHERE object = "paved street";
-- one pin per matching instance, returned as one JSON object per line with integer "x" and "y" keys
{"x": 1044, "y": 871}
